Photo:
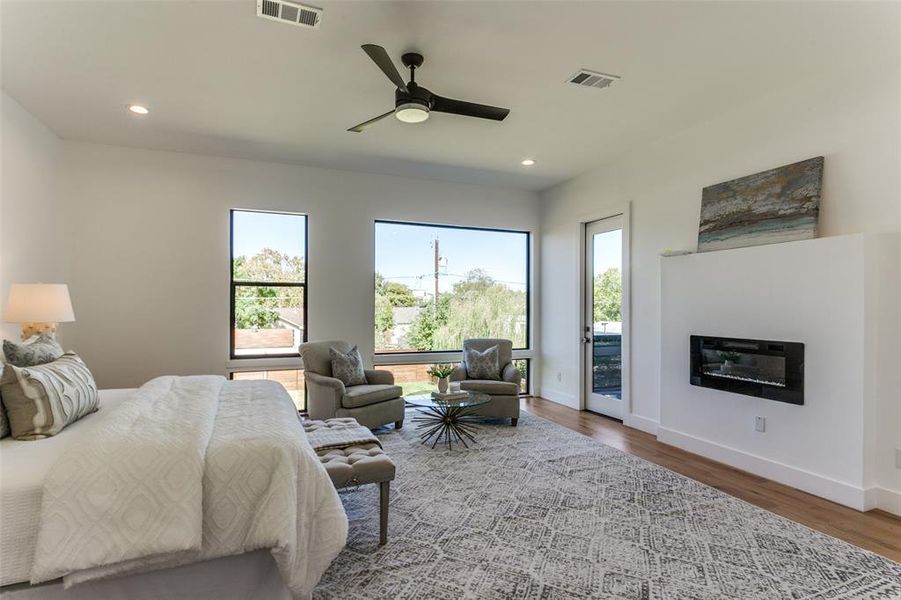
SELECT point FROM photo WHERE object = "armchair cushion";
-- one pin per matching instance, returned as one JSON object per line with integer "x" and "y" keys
{"x": 482, "y": 364}
{"x": 492, "y": 387}
{"x": 347, "y": 366}
{"x": 364, "y": 395}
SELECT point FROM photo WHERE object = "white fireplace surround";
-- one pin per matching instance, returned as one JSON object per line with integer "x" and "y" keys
{"x": 837, "y": 295}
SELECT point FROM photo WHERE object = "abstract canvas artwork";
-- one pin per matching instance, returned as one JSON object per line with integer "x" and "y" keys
{"x": 779, "y": 205}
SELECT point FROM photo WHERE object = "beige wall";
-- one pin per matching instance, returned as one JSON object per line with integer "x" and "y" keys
{"x": 30, "y": 157}
{"x": 148, "y": 236}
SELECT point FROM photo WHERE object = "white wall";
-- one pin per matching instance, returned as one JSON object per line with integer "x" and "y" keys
{"x": 30, "y": 156}
{"x": 148, "y": 234}
{"x": 812, "y": 292}
{"x": 854, "y": 125}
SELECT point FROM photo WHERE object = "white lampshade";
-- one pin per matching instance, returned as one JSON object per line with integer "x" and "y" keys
{"x": 39, "y": 303}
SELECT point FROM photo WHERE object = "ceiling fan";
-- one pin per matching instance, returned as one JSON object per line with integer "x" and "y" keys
{"x": 413, "y": 103}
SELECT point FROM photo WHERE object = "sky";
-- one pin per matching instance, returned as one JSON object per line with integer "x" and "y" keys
{"x": 404, "y": 253}
{"x": 257, "y": 230}
{"x": 608, "y": 251}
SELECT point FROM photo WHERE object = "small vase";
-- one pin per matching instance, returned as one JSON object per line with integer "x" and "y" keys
{"x": 442, "y": 385}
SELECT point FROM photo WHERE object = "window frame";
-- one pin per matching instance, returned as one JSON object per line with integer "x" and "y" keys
{"x": 234, "y": 285}
{"x": 527, "y": 233}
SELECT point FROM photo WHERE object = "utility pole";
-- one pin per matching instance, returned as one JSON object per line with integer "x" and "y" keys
{"x": 437, "y": 266}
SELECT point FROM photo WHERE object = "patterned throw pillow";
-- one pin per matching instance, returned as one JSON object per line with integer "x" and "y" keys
{"x": 348, "y": 367}
{"x": 39, "y": 349}
{"x": 40, "y": 401}
{"x": 482, "y": 365}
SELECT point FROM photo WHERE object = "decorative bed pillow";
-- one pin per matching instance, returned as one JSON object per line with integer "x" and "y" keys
{"x": 39, "y": 349}
{"x": 482, "y": 365}
{"x": 40, "y": 401}
{"x": 4, "y": 422}
{"x": 348, "y": 367}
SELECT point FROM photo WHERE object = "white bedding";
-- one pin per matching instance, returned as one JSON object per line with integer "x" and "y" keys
{"x": 244, "y": 453}
{"x": 23, "y": 467}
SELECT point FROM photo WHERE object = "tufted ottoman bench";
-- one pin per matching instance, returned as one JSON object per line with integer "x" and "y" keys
{"x": 359, "y": 462}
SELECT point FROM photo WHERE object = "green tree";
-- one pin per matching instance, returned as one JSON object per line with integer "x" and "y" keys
{"x": 608, "y": 296}
{"x": 422, "y": 330}
{"x": 384, "y": 318}
{"x": 255, "y": 306}
{"x": 482, "y": 307}
{"x": 396, "y": 293}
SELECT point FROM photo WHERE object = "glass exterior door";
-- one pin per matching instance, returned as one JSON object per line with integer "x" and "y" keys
{"x": 603, "y": 328}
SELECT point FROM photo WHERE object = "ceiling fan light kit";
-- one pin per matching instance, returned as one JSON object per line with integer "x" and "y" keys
{"x": 411, "y": 112}
{"x": 414, "y": 103}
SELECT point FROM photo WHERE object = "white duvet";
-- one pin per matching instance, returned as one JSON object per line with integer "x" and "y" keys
{"x": 191, "y": 468}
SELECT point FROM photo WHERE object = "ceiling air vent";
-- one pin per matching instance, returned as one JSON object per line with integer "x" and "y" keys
{"x": 289, "y": 12}
{"x": 587, "y": 78}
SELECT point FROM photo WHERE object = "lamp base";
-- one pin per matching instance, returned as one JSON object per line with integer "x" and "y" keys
{"x": 31, "y": 329}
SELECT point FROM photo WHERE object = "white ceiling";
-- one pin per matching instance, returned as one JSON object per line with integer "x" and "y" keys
{"x": 221, "y": 81}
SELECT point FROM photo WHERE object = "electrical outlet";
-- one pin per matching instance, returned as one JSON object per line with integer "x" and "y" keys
{"x": 559, "y": 375}
{"x": 898, "y": 458}
{"x": 760, "y": 424}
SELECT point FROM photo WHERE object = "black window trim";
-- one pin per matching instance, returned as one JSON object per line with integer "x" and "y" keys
{"x": 233, "y": 285}
{"x": 528, "y": 235}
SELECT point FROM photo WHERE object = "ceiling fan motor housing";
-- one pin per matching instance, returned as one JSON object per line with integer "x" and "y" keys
{"x": 417, "y": 95}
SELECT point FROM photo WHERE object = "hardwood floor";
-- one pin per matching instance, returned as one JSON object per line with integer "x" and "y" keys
{"x": 877, "y": 531}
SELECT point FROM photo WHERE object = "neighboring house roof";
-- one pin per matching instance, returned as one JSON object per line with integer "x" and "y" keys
{"x": 404, "y": 315}
{"x": 292, "y": 317}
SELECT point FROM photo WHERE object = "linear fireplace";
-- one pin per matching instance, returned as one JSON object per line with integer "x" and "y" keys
{"x": 761, "y": 368}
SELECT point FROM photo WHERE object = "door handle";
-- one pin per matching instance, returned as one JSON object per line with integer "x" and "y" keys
{"x": 586, "y": 340}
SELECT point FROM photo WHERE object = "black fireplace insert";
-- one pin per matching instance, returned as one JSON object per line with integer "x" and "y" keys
{"x": 761, "y": 368}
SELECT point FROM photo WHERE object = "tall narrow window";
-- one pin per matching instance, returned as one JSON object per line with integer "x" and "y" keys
{"x": 268, "y": 283}
{"x": 437, "y": 285}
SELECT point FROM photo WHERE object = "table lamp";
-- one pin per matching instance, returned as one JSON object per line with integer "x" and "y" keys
{"x": 38, "y": 307}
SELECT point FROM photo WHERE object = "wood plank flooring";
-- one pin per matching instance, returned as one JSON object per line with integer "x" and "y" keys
{"x": 877, "y": 531}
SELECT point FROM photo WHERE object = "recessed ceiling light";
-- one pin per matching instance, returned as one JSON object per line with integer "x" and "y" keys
{"x": 138, "y": 109}
{"x": 527, "y": 162}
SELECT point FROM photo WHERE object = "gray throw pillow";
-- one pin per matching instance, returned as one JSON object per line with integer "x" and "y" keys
{"x": 39, "y": 349}
{"x": 4, "y": 422}
{"x": 348, "y": 367}
{"x": 482, "y": 365}
{"x": 40, "y": 401}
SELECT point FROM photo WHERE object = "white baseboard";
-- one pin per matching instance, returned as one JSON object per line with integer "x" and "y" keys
{"x": 560, "y": 397}
{"x": 887, "y": 500}
{"x": 818, "y": 485}
{"x": 641, "y": 423}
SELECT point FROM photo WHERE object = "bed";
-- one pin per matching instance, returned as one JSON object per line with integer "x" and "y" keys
{"x": 257, "y": 517}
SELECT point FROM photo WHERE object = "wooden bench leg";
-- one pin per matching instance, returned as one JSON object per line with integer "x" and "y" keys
{"x": 384, "y": 489}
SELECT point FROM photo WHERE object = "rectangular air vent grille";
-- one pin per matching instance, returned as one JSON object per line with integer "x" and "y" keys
{"x": 586, "y": 78}
{"x": 289, "y": 12}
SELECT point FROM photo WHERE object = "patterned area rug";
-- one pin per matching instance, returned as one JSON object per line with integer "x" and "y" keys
{"x": 541, "y": 512}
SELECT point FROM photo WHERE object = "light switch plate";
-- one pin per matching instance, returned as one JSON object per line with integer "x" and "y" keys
{"x": 760, "y": 424}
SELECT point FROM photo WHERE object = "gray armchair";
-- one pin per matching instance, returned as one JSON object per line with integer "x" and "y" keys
{"x": 505, "y": 391}
{"x": 375, "y": 403}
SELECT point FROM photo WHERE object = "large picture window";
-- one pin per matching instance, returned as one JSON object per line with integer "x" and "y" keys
{"x": 268, "y": 283}
{"x": 437, "y": 285}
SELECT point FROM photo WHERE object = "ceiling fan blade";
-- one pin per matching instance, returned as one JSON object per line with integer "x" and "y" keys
{"x": 381, "y": 58}
{"x": 468, "y": 109}
{"x": 359, "y": 128}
